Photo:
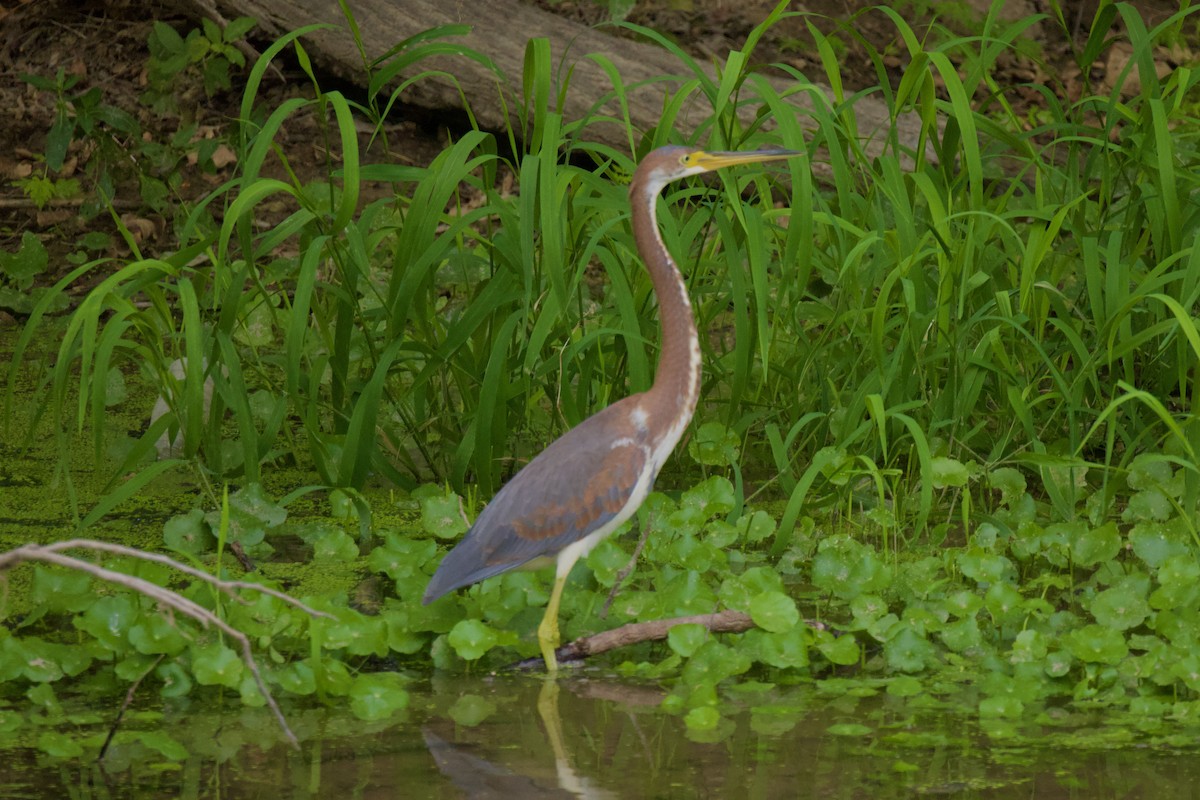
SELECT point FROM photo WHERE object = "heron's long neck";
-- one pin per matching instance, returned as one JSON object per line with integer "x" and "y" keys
{"x": 677, "y": 382}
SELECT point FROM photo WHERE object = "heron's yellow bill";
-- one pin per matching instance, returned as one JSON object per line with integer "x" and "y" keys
{"x": 731, "y": 158}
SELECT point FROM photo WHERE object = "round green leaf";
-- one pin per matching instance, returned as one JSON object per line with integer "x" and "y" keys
{"x": 1030, "y": 646}
{"x": 1003, "y": 601}
{"x": 38, "y": 662}
{"x": 61, "y": 590}
{"x": 948, "y": 472}
{"x": 704, "y": 718}
{"x": 713, "y": 663}
{"x": 712, "y": 497}
{"x": 714, "y": 444}
{"x": 335, "y": 545}
{"x": 401, "y": 557}
{"x": 109, "y": 620}
{"x": 904, "y": 686}
{"x": 607, "y": 561}
{"x": 251, "y": 514}
{"x": 907, "y": 651}
{"x": 1150, "y": 504}
{"x": 1120, "y": 608}
{"x": 963, "y": 603}
{"x": 297, "y": 678}
{"x": 756, "y": 527}
{"x": 984, "y": 567}
{"x": 1092, "y": 546}
{"x": 189, "y": 533}
{"x": 377, "y": 696}
{"x": 471, "y": 710}
{"x": 686, "y": 639}
{"x": 1155, "y": 542}
{"x": 164, "y": 745}
{"x": 1010, "y": 483}
{"x": 157, "y": 634}
{"x": 852, "y": 729}
{"x": 176, "y": 682}
{"x": 842, "y": 650}
{"x": 1096, "y": 644}
{"x": 866, "y": 608}
{"x": 59, "y": 745}
{"x": 1001, "y": 706}
{"x": 216, "y": 665}
{"x": 788, "y": 650}
{"x": 774, "y": 611}
{"x": 359, "y": 634}
{"x": 849, "y": 568}
{"x": 962, "y": 635}
{"x": 442, "y": 515}
{"x": 1057, "y": 664}
{"x": 1148, "y": 471}
{"x": 1179, "y": 579}
{"x": 471, "y": 638}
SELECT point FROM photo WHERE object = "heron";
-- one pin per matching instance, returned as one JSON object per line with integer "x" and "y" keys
{"x": 593, "y": 478}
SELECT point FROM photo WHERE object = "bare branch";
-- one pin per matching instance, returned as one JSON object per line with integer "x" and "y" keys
{"x": 50, "y": 554}
{"x": 228, "y": 587}
{"x": 636, "y": 632}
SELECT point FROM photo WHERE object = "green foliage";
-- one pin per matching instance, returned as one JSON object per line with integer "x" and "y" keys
{"x": 42, "y": 189}
{"x": 208, "y": 53}
{"x": 378, "y": 696}
{"x": 968, "y": 368}
{"x": 115, "y": 152}
{"x": 80, "y": 115}
{"x": 471, "y": 638}
{"x": 922, "y": 303}
{"x": 17, "y": 274}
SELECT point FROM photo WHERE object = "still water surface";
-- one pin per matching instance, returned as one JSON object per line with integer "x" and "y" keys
{"x": 599, "y": 737}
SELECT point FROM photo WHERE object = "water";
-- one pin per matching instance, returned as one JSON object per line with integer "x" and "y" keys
{"x": 593, "y": 736}
{"x": 589, "y": 734}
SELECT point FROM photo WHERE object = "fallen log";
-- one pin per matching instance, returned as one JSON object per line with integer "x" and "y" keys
{"x": 500, "y": 31}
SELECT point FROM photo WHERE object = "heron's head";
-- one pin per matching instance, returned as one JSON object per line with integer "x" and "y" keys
{"x": 673, "y": 162}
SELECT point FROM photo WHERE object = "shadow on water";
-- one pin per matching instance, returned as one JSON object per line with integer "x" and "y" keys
{"x": 591, "y": 737}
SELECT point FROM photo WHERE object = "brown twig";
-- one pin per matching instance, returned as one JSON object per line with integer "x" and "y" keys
{"x": 133, "y": 687}
{"x": 65, "y": 202}
{"x": 50, "y": 554}
{"x": 727, "y": 621}
{"x": 228, "y": 587}
{"x": 624, "y": 573}
{"x": 240, "y": 554}
{"x": 635, "y": 632}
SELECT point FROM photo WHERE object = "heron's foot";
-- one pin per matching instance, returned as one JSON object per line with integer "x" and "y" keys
{"x": 548, "y": 639}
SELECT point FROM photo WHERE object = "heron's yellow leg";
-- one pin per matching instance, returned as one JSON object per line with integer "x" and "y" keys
{"x": 548, "y": 630}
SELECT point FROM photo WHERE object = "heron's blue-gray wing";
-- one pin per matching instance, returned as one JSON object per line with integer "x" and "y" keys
{"x": 571, "y": 489}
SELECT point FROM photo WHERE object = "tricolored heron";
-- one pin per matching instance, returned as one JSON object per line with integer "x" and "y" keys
{"x": 585, "y": 484}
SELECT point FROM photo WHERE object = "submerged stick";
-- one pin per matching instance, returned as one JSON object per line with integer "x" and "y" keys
{"x": 133, "y": 687}
{"x": 636, "y": 632}
{"x": 50, "y": 553}
{"x": 727, "y": 621}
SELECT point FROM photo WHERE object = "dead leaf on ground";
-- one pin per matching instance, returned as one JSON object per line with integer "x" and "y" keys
{"x": 223, "y": 156}
{"x": 141, "y": 228}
